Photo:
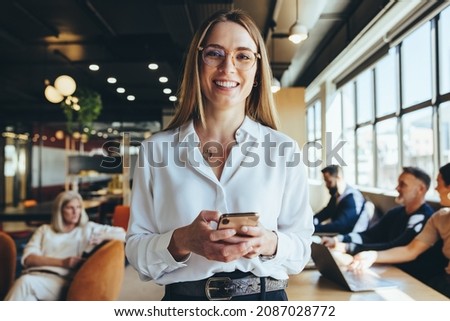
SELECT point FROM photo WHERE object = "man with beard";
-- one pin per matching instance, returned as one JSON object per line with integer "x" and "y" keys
{"x": 345, "y": 206}
{"x": 398, "y": 226}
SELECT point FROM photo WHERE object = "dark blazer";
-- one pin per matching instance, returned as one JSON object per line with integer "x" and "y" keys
{"x": 342, "y": 211}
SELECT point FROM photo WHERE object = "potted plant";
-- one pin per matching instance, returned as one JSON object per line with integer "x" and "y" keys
{"x": 82, "y": 109}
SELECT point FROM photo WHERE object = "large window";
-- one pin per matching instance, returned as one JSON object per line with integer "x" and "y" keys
{"x": 381, "y": 136}
{"x": 444, "y": 51}
{"x": 364, "y": 138}
{"x": 314, "y": 127}
{"x": 348, "y": 123}
{"x": 444, "y": 133}
{"x": 364, "y": 96}
{"x": 387, "y": 153}
{"x": 418, "y": 139}
{"x": 386, "y": 85}
{"x": 416, "y": 66}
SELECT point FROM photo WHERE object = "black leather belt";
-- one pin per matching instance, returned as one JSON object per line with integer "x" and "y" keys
{"x": 43, "y": 271}
{"x": 224, "y": 288}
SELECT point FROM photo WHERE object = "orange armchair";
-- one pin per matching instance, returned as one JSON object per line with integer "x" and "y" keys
{"x": 121, "y": 216}
{"x": 8, "y": 256}
{"x": 100, "y": 278}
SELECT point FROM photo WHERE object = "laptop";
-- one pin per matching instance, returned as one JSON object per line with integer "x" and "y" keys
{"x": 355, "y": 282}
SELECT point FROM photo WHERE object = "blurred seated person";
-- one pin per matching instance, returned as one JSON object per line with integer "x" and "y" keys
{"x": 344, "y": 207}
{"x": 398, "y": 226}
{"x": 436, "y": 229}
{"x": 55, "y": 250}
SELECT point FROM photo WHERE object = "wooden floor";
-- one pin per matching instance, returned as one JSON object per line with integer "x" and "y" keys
{"x": 134, "y": 289}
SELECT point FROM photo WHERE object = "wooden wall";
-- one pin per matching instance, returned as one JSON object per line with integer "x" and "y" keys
{"x": 291, "y": 108}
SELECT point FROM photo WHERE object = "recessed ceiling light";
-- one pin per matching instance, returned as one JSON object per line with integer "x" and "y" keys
{"x": 153, "y": 66}
{"x": 94, "y": 67}
{"x": 111, "y": 80}
{"x": 163, "y": 79}
{"x": 131, "y": 97}
{"x": 167, "y": 90}
{"x": 120, "y": 90}
{"x": 173, "y": 98}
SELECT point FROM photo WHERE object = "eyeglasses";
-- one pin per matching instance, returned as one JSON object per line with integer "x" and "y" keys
{"x": 243, "y": 59}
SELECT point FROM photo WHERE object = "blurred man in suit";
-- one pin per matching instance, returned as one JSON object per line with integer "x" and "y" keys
{"x": 345, "y": 205}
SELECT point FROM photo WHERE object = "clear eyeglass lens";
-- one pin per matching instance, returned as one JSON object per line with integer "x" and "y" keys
{"x": 242, "y": 59}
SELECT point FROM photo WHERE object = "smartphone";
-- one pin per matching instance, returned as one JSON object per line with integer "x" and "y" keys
{"x": 237, "y": 220}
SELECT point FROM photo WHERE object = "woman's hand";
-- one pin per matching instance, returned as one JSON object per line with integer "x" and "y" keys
{"x": 97, "y": 238}
{"x": 329, "y": 241}
{"x": 363, "y": 260}
{"x": 334, "y": 244}
{"x": 72, "y": 262}
{"x": 262, "y": 241}
{"x": 200, "y": 238}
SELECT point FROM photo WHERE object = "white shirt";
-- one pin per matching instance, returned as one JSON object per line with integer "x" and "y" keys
{"x": 173, "y": 184}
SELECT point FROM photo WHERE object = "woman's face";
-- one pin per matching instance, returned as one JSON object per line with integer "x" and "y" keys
{"x": 226, "y": 86}
{"x": 71, "y": 212}
{"x": 443, "y": 191}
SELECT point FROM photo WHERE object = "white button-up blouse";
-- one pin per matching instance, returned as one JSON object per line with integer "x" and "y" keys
{"x": 172, "y": 184}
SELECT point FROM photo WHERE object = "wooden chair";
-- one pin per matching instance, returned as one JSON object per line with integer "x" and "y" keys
{"x": 100, "y": 278}
{"x": 121, "y": 216}
{"x": 8, "y": 256}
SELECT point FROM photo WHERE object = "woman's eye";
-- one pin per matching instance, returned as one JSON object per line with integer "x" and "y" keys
{"x": 215, "y": 54}
{"x": 243, "y": 56}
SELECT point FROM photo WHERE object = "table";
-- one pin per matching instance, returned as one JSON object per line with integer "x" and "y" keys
{"x": 309, "y": 285}
{"x": 40, "y": 212}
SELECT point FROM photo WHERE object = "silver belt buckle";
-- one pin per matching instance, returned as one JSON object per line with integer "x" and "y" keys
{"x": 217, "y": 289}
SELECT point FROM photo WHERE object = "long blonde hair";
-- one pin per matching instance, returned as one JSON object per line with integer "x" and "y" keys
{"x": 61, "y": 200}
{"x": 259, "y": 105}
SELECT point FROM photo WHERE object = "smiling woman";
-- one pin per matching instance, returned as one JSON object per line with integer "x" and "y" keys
{"x": 226, "y": 115}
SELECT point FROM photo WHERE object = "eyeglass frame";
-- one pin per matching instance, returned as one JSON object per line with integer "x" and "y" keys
{"x": 227, "y": 53}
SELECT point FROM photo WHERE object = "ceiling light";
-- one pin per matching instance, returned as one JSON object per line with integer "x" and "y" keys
{"x": 276, "y": 85}
{"x": 65, "y": 85}
{"x": 131, "y": 97}
{"x": 94, "y": 67}
{"x": 163, "y": 79}
{"x": 167, "y": 91}
{"x": 111, "y": 80}
{"x": 298, "y": 33}
{"x": 173, "y": 98}
{"x": 120, "y": 90}
{"x": 153, "y": 66}
{"x": 53, "y": 95}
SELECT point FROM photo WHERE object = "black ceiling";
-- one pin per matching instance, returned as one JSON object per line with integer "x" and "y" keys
{"x": 40, "y": 40}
